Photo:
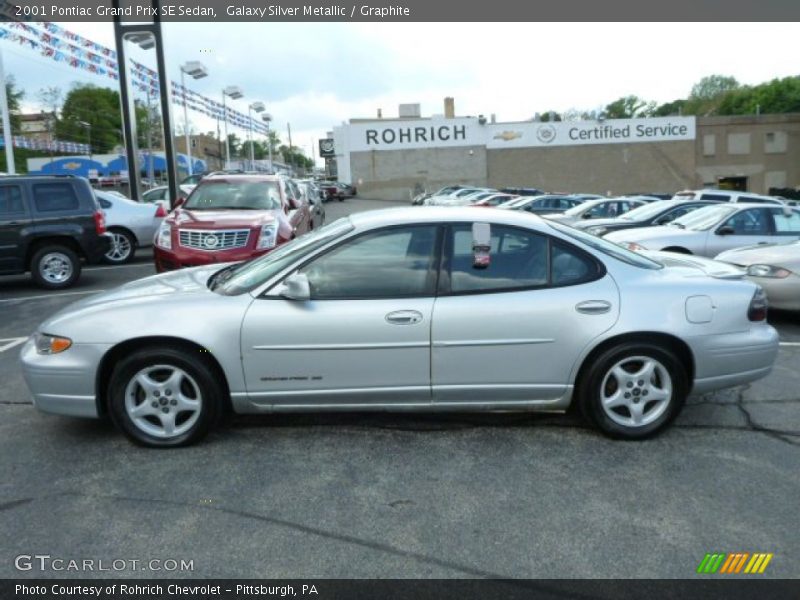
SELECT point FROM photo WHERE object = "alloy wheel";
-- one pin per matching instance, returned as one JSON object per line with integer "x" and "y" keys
{"x": 163, "y": 401}
{"x": 636, "y": 391}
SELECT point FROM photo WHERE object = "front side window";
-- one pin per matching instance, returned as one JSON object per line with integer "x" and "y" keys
{"x": 11, "y": 200}
{"x": 749, "y": 222}
{"x": 51, "y": 197}
{"x": 391, "y": 263}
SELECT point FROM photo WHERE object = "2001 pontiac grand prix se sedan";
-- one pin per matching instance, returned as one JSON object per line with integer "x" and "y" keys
{"x": 405, "y": 309}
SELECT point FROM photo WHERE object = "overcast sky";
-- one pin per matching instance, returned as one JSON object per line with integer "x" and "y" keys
{"x": 315, "y": 76}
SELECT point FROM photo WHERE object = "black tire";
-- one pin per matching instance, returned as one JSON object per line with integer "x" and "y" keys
{"x": 591, "y": 387}
{"x": 201, "y": 375}
{"x": 44, "y": 271}
{"x": 114, "y": 258}
{"x": 341, "y": 198}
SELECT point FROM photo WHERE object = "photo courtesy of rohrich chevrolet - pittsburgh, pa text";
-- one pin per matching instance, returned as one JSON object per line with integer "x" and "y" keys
{"x": 399, "y": 300}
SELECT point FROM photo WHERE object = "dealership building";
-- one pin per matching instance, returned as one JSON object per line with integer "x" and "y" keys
{"x": 391, "y": 158}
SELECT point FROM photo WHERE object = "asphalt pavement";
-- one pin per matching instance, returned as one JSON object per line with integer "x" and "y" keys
{"x": 387, "y": 495}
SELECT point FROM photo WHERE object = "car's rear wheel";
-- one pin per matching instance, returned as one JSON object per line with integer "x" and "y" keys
{"x": 123, "y": 247}
{"x": 162, "y": 397}
{"x": 633, "y": 390}
{"x": 55, "y": 267}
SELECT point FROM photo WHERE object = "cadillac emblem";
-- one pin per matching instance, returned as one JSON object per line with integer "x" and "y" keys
{"x": 546, "y": 133}
{"x": 211, "y": 241}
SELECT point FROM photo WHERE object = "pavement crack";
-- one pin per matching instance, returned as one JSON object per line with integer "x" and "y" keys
{"x": 778, "y": 434}
{"x": 15, "y": 503}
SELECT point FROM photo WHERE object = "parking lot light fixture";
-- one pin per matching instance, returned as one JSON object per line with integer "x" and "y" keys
{"x": 196, "y": 70}
{"x": 267, "y": 118}
{"x": 258, "y": 107}
{"x": 234, "y": 93}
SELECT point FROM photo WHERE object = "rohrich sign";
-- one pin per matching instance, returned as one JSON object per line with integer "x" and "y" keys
{"x": 444, "y": 133}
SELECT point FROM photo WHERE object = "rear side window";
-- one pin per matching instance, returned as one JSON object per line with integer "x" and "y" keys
{"x": 11, "y": 200}
{"x": 52, "y": 197}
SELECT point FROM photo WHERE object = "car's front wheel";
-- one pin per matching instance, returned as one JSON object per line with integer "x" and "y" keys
{"x": 163, "y": 397}
{"x": 633, "y": 390}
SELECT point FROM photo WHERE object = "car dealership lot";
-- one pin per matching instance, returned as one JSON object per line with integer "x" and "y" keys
{"x": 460, "y": 495}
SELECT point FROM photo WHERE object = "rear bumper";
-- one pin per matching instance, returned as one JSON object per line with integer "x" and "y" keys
{"x": 723, "y": 361}
{"x": 63, "y": 384}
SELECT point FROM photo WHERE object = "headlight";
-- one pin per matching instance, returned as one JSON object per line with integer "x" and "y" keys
{"x": 50, "y": 344}
{"x": 768, "y": 271}
{"x": 164, "y": 236}
{"x": 596, "y": 230}
{"x": 268, "y": 237}
{"x": 633, "y": 246}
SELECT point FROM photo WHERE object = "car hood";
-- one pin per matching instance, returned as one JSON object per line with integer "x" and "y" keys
{"x": 780, "y": 255}
{"x": 182, "y": 283}
{"x": 222, "y": 219}
{"x": 658, "y": 234}
{"x": 692, "y": 264}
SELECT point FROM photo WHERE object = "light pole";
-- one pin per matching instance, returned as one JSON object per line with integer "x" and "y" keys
{"x": 267, "y": 118}
{"x": 7, "y": 138}
{"x": 195, "y": 70}
{"x": 234, "y": 93}
{"x": 258, "y": 107}
{"x": 88, "y": 127}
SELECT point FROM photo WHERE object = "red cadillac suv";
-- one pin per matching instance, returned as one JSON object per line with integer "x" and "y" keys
{"x": 231, "y": 218}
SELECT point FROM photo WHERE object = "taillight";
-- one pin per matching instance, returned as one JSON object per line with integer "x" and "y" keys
{"x": 161, "y": 211}
{"x": 99, "y": 222}
{"x": 758, "y": 306}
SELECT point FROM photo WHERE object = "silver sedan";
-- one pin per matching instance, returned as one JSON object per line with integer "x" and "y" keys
{"x": 713, "y": 229}
{"x": 399, "y": 309}
{"x": 131, "y": 224}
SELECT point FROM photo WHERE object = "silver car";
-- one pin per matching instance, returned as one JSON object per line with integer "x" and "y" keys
{"x": 602, "y": 208}
{"x": 131, "y": 224}
{"x": 775, "y": 267}
{"x": 713, "y": 229}
{"x": 405, "y": 309}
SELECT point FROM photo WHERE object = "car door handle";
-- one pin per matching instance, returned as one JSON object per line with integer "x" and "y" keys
{"x": 404, "y": 317}
{"x": 593, "y": 307}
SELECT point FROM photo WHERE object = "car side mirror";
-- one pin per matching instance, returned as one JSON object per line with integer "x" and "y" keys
{"x": 664, "y": 220}
{"x": 726, "y": 230}
{"x": 481, "y": 245}
{"x": 586, "y": 216}
{"x": 296, "y": 287}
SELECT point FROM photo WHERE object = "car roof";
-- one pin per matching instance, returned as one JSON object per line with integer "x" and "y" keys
{"x": 443, "y": 214}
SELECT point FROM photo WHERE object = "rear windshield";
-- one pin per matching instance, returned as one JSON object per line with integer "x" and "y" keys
{"x": 235, "y": 195}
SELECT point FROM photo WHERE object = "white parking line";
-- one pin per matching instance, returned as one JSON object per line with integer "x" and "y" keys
{"x": 151, "y": 265}
{"x": 47, "y": 296}
{"x": 9, "y": 343}
{"x": 790, "y": 343}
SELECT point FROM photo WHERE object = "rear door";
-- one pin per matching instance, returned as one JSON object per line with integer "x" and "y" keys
{"x": 15, "y": 218}
{"x": 511, "y": 332}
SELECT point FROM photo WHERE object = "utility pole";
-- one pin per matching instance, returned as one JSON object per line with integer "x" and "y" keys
{"x": 289, "y": 130}
{"x": 7, "y": 137}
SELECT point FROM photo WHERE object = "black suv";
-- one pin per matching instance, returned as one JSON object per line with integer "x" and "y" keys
{"x": 47, "y": 226}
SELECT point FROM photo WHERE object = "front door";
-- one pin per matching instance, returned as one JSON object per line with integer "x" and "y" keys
{"x": 511, "y": 332}
{"x": 363, "y": 338}
{"x": 746, "y": 227}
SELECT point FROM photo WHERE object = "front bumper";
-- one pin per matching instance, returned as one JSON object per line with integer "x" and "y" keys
{"x": 179, "y": 258}
{"x": 64, "y": 383}
{"x": 724, "y": 361}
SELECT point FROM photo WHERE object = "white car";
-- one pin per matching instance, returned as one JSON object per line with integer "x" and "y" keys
{"x": 713, "y": 229}
{"x": 726, "y": 196}
{"x": 599, "y": 208}
{"x": 131, "y": 224}
{"x": 160, "y": 194}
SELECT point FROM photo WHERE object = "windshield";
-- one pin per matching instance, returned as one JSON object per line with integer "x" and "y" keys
{"x": 248, "y": 276}
{"x": 606, "y": 247}
{"x": 704, "y": 218}
{"x": 646, "y": 211}
{"x": 235, "y": 195}
{"x": 576, "y": 211}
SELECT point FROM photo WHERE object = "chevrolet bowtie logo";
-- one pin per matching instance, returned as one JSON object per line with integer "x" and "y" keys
{"x": 72, "y": 165}
{"x": 507, "y": 136}
{"x": 734, "y": 563}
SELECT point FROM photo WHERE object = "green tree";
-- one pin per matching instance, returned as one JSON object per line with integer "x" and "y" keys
{"x": 549, "y": 115}
{"x": 776, "y": 96}
{"x": 91, "y": 111}
{"x": 629, "y": 107}
{"x": 668, "y": 109}
{"x": 712, "y": 87}
{"x": 14, "y": 96}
